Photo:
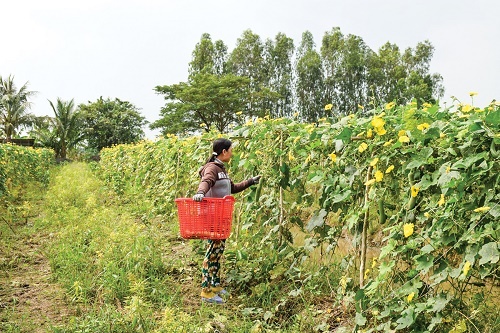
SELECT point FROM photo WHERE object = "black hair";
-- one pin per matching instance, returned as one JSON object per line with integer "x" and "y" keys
{"x": 218, "y": 146}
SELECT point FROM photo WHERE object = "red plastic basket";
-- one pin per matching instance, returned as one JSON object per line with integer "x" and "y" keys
{"x": 210, "y": 218}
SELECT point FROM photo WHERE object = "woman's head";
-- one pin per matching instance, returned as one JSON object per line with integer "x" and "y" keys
{"x": 222, "y": 149}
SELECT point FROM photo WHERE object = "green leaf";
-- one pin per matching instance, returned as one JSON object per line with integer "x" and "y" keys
{"x": 424, "y": 262}
{"x": 438, "y": 303}
{"x": 446, "y": 178}
{"x": 317, "y": 220}
{"x": 345, "y": 135}
{"x": 493, "y": 118}
{"x": 427, "y": 249}
{"x": 360, "y": 319}
{"x": 339, "y": 197}
{"x": 489, "y": 253}
{"x": 407, "y": 319}
{"x": 495, "y": 211}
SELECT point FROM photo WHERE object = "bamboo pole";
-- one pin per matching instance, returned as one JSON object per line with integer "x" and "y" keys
{"x": 364, "y": 233}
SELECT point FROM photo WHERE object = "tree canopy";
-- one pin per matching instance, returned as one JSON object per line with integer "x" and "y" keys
{"x": 207, "y": 101}
{"x": 14, "y": 106}
{"x": 110, "y": 122}
{"x": 282, "y": 80}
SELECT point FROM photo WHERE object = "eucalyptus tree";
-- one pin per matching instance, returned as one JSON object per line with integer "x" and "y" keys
{"x": 247, "y": 60}
{"x": 14, "y": 106}
{"x": 345, "y": 60}
{"x": 68, "y": 126}
{"x": 402, "y": 77}
{"x": 207, "y": 101}
{"x": 278, "y": 74}
{"x": 387, "y": 75}
{"x": 420, "y": 83}
{"x": 310, "y": 83}
{"x": 208, "y": 57}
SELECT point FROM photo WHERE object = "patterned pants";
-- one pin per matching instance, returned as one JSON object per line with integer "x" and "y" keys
{"x": 211, "y": 265}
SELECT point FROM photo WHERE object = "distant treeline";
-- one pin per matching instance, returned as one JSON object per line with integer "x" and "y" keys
{"x": 276, "y": 78}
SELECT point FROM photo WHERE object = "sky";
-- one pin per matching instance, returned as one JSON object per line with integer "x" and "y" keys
{"x": 85, "y": 49}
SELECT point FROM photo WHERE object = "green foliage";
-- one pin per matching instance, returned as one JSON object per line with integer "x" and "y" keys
{"x": 208, "y": 101}
{"x": 436, "y": 169}
{"x": 67, "y": 127}
{"x": 20, "y": 165}
{"x": 284, "y": 81}
{"x": 108, "y": 123}
{"x": 14, "y": 104}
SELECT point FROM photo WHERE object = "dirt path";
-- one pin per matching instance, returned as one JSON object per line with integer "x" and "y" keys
{"x": 29, "y": 300}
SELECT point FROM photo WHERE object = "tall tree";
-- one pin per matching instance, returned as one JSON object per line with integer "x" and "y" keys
{"x": 247, "y": 60}
{"x": 110, "y": 122}
{"x": 310, "y": 84}
{"x": 14, "y": 106}
{"x": 207, "y": 101}
{"x": 67, "y": 123}
{"x": 403, "y": 77}
{"x": 345, "y": 61}
{"x": 208, "y": 57}
{"x": 278, "y": 74}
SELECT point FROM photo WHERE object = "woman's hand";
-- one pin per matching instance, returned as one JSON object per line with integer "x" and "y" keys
{"x": 256, "y": 179}
{"x": 198, "y": 197}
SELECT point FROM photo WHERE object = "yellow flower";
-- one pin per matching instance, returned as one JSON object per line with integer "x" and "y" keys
{"x": 389, "y": 169}
{"x": 441, "y": 200}
{"x": 408, "y": 229}
{"x": 333, "y": 157}
{"x": 308, "y": 159}
{"x": 296, "y": 139}
{"x": 442, "y": 135}
{"x": 410, "y": 297}
{"x": 466, "y": 108}
{"x": 414, "y": 191}
{"x": 361, "y": 107}
{"x": 369, "y": 133}
{"x": 374, "y": 262}
{"x": 390, "y": 105}
{"x": 482, "y": 209}
{"x": 404, "y": 139}
{"x": 374, "y": 161}
{"x": 362, "y": 147}
{"x": 366, "y": 273}
{"x": 328, "y": 107}
{"x": 426, "y": 105}
{"x": 380, "y": 130}
{"x": 370, "y": 182}
{"x": 388, "y": 143}
{"x": 290, "y": 156}
{"x": 239, "y": 113}
{"x": 296, "y": 114}
{"x": 423, "y": 126}
{"x": 472, "y": 93}
{"x": 377, "y": 122}
{"x": 379, "y": 176}
{"x": 466, "y": 267}
{"x": 427, "y": 215}
{"x": 203, "y": 125}
{"x": 258, "y": 152}
{"x": 402, "y": 133}
{"x": 448, "y": 169}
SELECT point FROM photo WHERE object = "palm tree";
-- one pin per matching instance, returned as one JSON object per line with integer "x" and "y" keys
{"x": 13, "y": 107}
{"x": 67, "y": 123}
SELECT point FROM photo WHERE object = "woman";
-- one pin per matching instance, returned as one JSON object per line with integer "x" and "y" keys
{"x": 216, "y": 183}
